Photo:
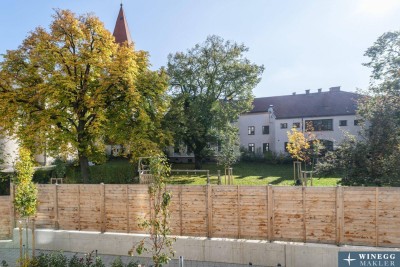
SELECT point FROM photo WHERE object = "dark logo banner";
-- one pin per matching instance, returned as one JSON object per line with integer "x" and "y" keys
{"x": 369, "y": 258}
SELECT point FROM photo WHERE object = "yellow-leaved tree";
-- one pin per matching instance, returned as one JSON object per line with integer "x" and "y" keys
{"x": 72, "y": 88}
{"x": 304, "y": 147}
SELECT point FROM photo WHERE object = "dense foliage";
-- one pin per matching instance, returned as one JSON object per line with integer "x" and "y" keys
{"x": 72, "y": 89}
{"x": 59, "y": 259}
{"x": 25, "y": 199}
{"x": 211, "y": 85}
{"x": 374, "y": 159}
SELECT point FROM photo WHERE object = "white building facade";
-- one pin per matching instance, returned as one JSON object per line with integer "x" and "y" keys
{"x": 331, "y": 114}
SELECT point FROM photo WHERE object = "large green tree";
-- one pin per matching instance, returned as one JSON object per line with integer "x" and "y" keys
{"x": 375, "y": 157}
{"x": 211, "y": 85}
{"x": 71, "y": 88}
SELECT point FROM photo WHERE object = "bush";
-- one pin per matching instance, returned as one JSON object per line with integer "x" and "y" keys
{"x": 42, "y": 176}
{"x": 112, "y": 172}
{"x": 248, "y": 156}
{"x": 271, "y": 157}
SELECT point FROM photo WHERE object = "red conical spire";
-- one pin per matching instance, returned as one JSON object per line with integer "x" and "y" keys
{"x": 121, "y": 30}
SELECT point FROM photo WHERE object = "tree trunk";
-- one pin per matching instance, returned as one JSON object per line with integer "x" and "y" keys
{"x": 198, "y": 162}
{"x": 84, "y": 165}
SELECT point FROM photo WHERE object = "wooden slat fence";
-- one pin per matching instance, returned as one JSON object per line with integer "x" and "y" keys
{"x": 333, "y": 215}
{"x": 5, "y": 217}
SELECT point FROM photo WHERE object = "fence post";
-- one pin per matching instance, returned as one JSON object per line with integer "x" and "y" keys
{"x": 180, "y": 211}
{"x": 12, "y": 210}
{"x": 57, "y": 223}
{"x": 127, "y": 209}
{"x": 270, "y": 208}
{"x": 209, "y": 211}
{"x": 103, "y": 208}
{"x": 339, "y": 215}
{"x": 219, "y": 177}
{"x": 208, "y": 177}
{"x": 238, "y": 211}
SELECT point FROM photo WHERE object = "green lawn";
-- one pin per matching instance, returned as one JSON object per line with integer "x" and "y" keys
{"x": 247, "y": 173}
{"x": 120, "y": 171}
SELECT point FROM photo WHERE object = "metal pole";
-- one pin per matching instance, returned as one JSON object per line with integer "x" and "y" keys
{"x": 180, "y": 261}
{"x": 20, "y": 240}
{"x": 33, "y": 238}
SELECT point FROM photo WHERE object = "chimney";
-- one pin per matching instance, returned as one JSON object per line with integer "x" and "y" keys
{"x": 294, "y": 93}
{"x": 334, "y": 89}
{"x": 307, "y": 91}
{"x": 319, "y": 90}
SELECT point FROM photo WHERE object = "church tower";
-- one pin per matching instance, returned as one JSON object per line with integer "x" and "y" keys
{"x": 121, "y": 30}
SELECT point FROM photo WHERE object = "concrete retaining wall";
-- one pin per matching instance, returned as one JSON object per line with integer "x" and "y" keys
{"x": 238, "y": 251}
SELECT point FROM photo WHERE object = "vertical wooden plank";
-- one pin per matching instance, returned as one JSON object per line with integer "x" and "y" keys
{"x": 127, "y": 209}
{"x": 103, "y": 208}
{"x": 57, "y": 224}
{"x": 270, "y": 208}
{"x": 209, "y": 211}
{"x": 376, "y": 217}
{"x": 339, "y": 215}
{"x": 12, "y": 209}
{"x": 79, "y": 207}
{"x": 180, "y": 211}
{"x": 304, "y": 214}
{"x": 238, "y": 211}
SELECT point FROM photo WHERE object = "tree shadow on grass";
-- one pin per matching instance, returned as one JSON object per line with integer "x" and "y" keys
{"x": 181, "y": 181}
{"x": 280, "y": 180}
{"x": 242, "y": 177}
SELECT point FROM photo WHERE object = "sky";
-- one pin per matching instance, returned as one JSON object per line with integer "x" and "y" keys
{"x": 307, "y": 44}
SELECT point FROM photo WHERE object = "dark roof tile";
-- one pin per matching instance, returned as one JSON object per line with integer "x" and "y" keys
{"x": 333, "y": 103}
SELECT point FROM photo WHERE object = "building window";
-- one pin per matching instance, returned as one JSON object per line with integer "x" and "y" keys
{"x": 343, "y": 123}
{"x": 251, "y": 148}
{"x": 265, "y": 129}
{"x": 265, "y": 147}
{"x": 296, "y": 125}
{"x": 286, "y": 150}
{"x": 328, "y": 145}
{"x": 319, "y": 125}
{"x": 357, "y": 122}
{"x": 251, "y": 130}
{"x": 284, "y": 125}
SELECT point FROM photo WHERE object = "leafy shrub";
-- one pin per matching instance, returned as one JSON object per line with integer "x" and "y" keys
{"x": 271, "y": 157}
{"x": 248, "y": 156}
{"x": 55, "y": 259}
{"x": 112, "y": 172}
{"x": 42, "y": 176}
{"x": 60, "y": 168}
{"x": 58, "y": 259}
